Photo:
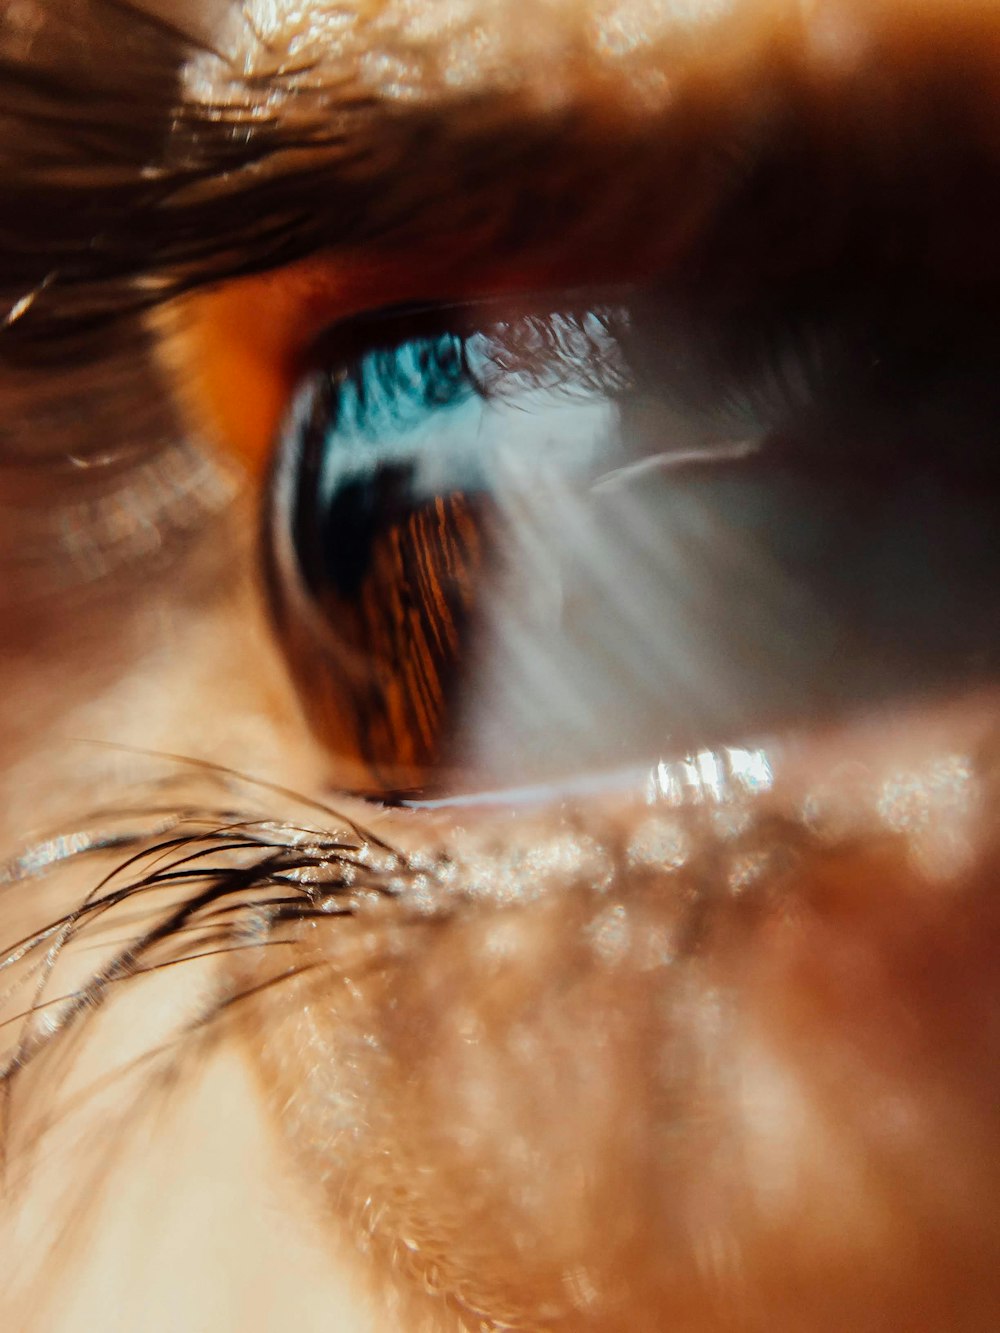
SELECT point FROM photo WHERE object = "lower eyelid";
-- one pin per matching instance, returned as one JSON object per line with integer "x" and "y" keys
{"x": 503, "y": 1036}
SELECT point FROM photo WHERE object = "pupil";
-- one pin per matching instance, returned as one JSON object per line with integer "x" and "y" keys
{"x": 355, "y": 526}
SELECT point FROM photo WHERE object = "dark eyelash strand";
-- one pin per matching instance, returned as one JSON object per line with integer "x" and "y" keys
{"x": 232, "y": 879}
{"x": 228, "y": 886}
{"x": 231, "y": 883}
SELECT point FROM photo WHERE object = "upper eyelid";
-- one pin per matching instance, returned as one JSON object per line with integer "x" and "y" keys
{"x": 254, "y": 171}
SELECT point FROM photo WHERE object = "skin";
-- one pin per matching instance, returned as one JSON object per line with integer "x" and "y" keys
{"x": 794, "y": 1126}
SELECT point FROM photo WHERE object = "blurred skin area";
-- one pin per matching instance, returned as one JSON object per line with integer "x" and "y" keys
{"x": 595, "y": 1066}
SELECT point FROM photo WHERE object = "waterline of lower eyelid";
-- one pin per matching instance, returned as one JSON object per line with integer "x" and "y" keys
{"x": 708, "y": 776}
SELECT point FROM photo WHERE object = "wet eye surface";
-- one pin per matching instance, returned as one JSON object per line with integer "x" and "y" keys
{"x": 513, "y": 542}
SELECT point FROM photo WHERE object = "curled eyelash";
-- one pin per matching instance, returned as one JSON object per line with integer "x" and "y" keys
{"x": 195, "y": 881}
{"x": 172, "y": 884}
{"x": 240, "y": 877}
{"x": 207, "y": 879}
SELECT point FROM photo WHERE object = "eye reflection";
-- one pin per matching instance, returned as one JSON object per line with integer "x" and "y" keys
{"x": 512, "y": 546}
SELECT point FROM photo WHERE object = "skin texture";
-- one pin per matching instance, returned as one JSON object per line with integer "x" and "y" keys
{"x": 746, "y": 1081}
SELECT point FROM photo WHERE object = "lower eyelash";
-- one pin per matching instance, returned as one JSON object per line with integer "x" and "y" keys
{"x": 195, "y": 880}
{"x": 240, "y": 877}
{"x": 205, "y": 880}
{"x": 211, "y": 875}
{"x": 176, "y": 881}
{"x": 209, "y": 879}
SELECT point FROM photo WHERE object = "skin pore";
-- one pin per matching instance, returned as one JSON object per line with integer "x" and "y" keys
{"x": 722, "y": 1060}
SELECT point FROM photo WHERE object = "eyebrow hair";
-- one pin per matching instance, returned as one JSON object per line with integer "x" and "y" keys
{"x": 130, "y": 180}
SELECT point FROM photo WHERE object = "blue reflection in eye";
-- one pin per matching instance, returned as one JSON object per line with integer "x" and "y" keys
{"x": 445, "y": 412}
{"x": 391, "y": 390}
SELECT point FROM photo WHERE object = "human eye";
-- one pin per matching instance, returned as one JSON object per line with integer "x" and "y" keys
{"x": 507, "y": 544}
{"x": 515, "y": 493}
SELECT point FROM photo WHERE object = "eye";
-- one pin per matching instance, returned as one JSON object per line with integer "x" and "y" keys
{"x": 524, "y": 541}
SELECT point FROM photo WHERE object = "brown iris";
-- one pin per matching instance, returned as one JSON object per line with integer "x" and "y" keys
{"x": 401, "y": 632}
